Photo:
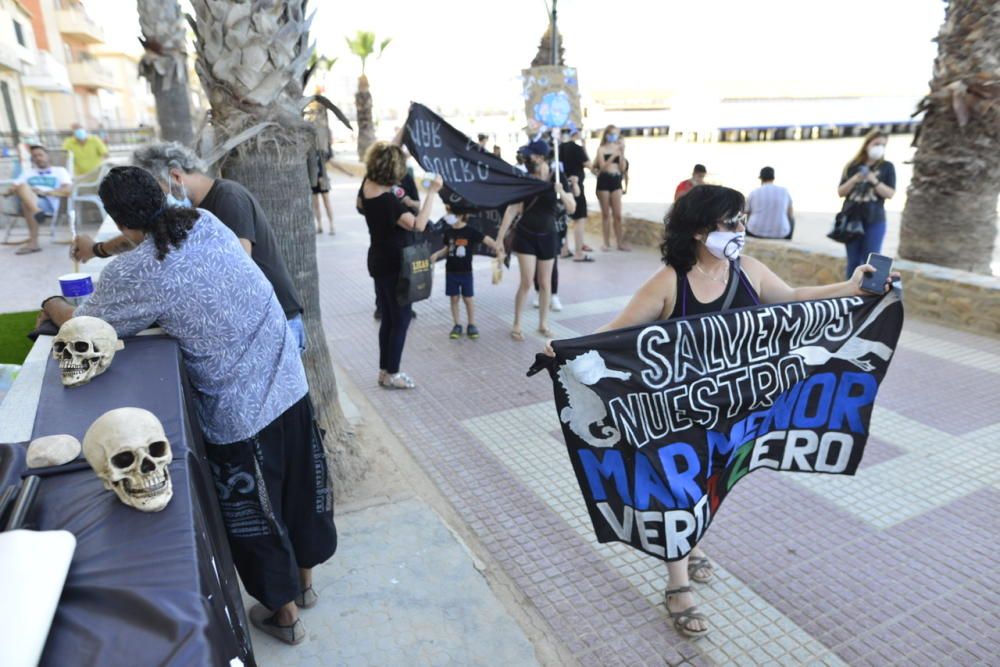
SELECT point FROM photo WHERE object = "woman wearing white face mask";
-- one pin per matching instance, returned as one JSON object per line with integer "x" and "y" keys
{"x": 703, "y": 237}
{"x": 868, "y": 180}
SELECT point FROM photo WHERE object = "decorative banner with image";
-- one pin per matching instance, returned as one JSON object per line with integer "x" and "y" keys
{"x": 662, "y": 420}
{"x": 551, "y": 97}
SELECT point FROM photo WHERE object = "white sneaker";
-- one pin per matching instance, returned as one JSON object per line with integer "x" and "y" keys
{"x": 534, "y": 301}
{"x": 555, "y": 304}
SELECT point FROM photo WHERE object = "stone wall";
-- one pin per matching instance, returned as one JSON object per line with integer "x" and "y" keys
{"x": 949, "y": 297}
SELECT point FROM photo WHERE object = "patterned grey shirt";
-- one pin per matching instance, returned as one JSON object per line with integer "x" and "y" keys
{"x": 208, "y": 294}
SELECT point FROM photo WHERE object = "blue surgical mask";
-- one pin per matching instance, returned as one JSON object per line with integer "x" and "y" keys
{"x": 183, "y": 202}
{"x": 612, "y": 138}
{"x": 80, "y": 133}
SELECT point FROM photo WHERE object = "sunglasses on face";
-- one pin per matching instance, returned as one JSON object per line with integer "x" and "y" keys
{"x": 734, "y": 222}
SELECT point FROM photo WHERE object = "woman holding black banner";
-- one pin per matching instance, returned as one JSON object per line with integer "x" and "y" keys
{"x": 868, "y": 180}
{"x": 389, "y": 225}
{"x": 704, "y": 273}
{"x": 536, "y": 237}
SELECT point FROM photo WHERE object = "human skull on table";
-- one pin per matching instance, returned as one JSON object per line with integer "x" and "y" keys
{"x": 128, "y": 449}
{"x": 84, "y": 348}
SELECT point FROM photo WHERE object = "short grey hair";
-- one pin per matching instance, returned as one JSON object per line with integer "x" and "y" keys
{"x": 159, "y": 159}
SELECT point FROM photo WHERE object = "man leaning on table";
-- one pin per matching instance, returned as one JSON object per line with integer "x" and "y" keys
{"x": 181, "y": 175}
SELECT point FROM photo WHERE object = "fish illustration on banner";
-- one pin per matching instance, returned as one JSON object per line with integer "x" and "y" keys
{"x": 661, "y": 420}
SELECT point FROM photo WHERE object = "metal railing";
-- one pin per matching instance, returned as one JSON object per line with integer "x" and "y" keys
{"x": 122, "y": 138}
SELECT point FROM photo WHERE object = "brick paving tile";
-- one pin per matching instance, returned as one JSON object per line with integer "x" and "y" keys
{"x": 811, "y": 571}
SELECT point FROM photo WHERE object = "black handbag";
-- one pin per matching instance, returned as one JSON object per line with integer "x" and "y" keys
{"x": 415, "y": 273}
{"x": 847, "y": 225}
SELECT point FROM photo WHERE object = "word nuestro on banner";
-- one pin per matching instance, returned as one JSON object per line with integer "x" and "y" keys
{"x": 662, "y": 420}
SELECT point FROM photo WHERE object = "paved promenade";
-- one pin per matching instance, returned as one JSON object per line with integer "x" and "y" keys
{"x": 895, "y": 566}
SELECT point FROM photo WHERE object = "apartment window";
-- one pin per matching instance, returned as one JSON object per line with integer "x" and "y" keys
{"x": 19, "y": 32}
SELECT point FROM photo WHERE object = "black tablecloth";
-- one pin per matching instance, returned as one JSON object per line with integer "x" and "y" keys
{"x": 143, "y": 588}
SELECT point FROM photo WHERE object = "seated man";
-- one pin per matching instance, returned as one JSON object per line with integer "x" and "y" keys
{"x": 89, "y": 152}
{"x": 38, "y": 188}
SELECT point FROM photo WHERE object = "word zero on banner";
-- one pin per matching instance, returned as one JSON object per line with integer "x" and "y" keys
{"x": 661, "y": 421}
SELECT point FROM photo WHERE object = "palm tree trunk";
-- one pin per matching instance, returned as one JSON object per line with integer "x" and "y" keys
{"x": 164, "y": 64}
{"x": 279, "y": 180}
{"x": 950, "y": 216}
{"x": 173, "y": 110}
{"x": 366, "y": 126}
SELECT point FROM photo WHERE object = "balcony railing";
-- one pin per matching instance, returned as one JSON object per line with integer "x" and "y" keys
{"x": 47, "y": 75}
{"x": 77, "y": 24}
{"x": 9, "y": 58}
{"x": 90, "y": 74}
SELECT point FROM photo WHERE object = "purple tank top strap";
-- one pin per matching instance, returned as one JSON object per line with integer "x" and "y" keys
{"x": 684, "y": 294}
{"x": 749, "y": 287}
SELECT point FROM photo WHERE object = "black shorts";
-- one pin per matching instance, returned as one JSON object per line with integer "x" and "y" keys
{"x": 277, "y": 504}
{"x": 608, "y": 182}
{"x": 542, "y": 246}
{"x": 580, "y": 212}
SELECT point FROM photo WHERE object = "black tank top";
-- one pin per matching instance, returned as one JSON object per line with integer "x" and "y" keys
{"x": 687, "y": 304}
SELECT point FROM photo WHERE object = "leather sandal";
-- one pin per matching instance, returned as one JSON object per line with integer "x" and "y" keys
{"x": 682, "y": 619}
{"x": 698, "y": 564}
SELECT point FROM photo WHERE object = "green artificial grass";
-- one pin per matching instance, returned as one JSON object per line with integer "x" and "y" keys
{"x": 14, "y": 330}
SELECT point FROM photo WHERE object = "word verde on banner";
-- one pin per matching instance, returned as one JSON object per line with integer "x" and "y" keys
{"x": 471, "y": 175}
{"x": 662, "y": 420}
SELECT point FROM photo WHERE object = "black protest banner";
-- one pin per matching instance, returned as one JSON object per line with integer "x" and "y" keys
{"x": 473, "y": 178}
{"x": 662, "y": 420}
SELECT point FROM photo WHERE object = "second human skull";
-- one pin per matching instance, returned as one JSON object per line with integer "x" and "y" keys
{"x": 84, "y": 348}
{"x": 128, "y": 449}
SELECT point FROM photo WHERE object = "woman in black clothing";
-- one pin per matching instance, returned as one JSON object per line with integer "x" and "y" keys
{"x": 610, "y": 166}
{"x": 536, "y": 238}
{"x": 389, "y": 222}
{"x": 703, "y": 237}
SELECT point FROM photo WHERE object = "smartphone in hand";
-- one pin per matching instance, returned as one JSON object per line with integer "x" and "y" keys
{"x": 875, "y": 282}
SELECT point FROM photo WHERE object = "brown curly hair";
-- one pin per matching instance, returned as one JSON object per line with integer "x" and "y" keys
{"x": 385, "y": 163}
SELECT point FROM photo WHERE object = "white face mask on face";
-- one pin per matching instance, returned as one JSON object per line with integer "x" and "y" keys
{"x": 450, "y": 219}
{"x": 725, "y": 245}
{"x": 876, "y": 152}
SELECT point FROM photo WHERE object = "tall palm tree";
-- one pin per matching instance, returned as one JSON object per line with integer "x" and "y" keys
{"x": 252, "y": 57}
{"x": 363, "y": 46}
{"x": 950, "y": 216}
{"x": 164, "y": 64}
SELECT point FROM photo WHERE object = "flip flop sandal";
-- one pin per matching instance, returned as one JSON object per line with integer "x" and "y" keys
{"x": 585, "y": 258}
{"x": 547, "y": 333}
{"x": 517, "y": 335}
{"x": 26, "y": 251}
{"x": 586, "y": 248}
{"x": 698, "y": 564}
{"x": 683, "y": 619}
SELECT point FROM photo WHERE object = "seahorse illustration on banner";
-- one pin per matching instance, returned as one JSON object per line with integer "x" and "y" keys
{"x": 585, "y": 407}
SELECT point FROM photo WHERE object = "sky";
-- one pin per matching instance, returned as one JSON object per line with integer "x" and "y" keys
{"x": 467, "y": 54}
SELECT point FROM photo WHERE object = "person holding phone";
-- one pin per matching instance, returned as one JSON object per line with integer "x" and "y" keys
{"x": 703, "y": 236}
{"x": 867, "y": 181}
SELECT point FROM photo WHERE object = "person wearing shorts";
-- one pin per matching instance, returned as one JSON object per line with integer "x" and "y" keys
{"x": 460, "y": 241}
{"x": 536, "y": 237}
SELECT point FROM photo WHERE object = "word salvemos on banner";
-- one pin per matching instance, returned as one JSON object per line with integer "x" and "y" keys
{"x": 662, "y": 420}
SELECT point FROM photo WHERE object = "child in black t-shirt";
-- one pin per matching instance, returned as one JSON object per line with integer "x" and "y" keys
{"x": 460, "y": 240}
